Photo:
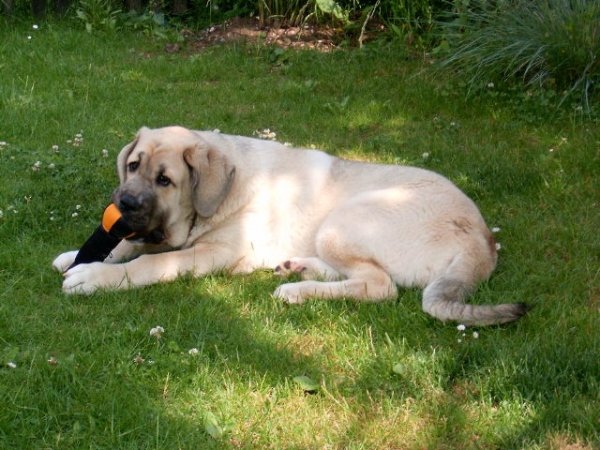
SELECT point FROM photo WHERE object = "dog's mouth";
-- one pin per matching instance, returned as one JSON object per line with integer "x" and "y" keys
{"x": 148, "y": 231}
{"x": 155, "y": 237}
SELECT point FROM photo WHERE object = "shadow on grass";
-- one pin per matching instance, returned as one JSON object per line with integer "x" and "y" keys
{"x": 512, "y": 387}
{"x": 498, "y": 391}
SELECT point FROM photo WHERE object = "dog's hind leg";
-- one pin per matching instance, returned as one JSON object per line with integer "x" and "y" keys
{"x": 365, "y": 282}
{"x": 444, "y": 297}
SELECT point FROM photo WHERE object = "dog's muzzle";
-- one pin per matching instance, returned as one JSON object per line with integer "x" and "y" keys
{"x": 139, "y": 212}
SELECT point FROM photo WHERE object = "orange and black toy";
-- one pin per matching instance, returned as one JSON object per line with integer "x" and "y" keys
{"x": 106, "y": 237}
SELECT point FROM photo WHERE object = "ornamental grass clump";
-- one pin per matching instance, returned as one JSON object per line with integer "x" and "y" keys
{"x": 553, "y": 44}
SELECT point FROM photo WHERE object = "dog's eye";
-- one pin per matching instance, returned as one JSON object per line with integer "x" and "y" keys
{"x": 163, "y": 180}
{"x": 133, "y": 166}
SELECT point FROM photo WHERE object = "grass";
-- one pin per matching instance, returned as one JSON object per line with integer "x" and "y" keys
{"x": 85, "y": 372}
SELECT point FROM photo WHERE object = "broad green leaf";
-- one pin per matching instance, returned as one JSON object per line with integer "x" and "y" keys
{"x": 211, "y": 425}
{"x": 306, "y": 383}
{"x": 332, "y": 7}
{"x": 400, "y": 369}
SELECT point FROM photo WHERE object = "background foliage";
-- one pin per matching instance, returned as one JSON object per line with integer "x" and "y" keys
{"x": 549, "y": 48}
{"x": 552, "y": 44}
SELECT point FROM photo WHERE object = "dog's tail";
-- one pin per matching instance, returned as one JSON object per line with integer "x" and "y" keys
{"x": 444, "y": 298}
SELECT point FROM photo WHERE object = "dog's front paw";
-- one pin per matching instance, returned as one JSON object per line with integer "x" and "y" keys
{"x": 289, "y": 293}
{"x": 87, "y": 278}
{"x": 64, "y": 260}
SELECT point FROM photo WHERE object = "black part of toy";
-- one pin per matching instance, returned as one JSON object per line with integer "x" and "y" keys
{"x": 97, "y": 247}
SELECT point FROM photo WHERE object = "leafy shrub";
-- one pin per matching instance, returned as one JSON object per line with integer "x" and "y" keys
{"x": 102, "y": 15}
{"x": 97, "y": 14}
{"x": 291, "y": 12}
{"x": 549, "y": 43}
{"x": 412, "y": 20}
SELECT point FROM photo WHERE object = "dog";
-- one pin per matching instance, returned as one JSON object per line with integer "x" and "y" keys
{"x": 202, "y": 201}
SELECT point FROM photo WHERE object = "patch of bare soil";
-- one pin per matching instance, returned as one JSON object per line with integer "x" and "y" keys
{"x": 320, "y": 38}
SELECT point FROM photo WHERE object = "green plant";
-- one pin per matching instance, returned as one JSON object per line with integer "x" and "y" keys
{"x": 298, "y": 12}
{"x": 149, "y": 22}
{"x": 97, "y": 14}
{"x": 412, "y": 20}
{"x": 282, "y": 12}
{"x": 550, "y": 43}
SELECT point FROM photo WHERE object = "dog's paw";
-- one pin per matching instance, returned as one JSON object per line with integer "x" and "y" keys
{"x": 288, "y": 267}
{"x": 289, "y": 293}
{"x": 85, "y": 279}
{"x": 64, "y": 260}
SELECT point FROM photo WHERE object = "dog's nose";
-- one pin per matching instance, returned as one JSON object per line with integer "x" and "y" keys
{"x": 129, "y": 203}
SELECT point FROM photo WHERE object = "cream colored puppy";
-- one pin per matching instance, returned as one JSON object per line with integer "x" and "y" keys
{"x": 204, "y": 202}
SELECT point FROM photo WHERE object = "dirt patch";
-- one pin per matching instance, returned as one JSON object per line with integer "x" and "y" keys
{"x": 321, "y": 38}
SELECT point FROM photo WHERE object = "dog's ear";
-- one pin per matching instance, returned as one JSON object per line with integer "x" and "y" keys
{"x": 124, "y": 154}
{"x": 212, "y": 177}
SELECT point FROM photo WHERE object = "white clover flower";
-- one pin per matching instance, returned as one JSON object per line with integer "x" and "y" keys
{"x": 28, "y": 38}
{"x": 35, "y": 27}
{"x": 425, "y": 155}
{"x": 105, "y": 153}
{"x": 475, "y": 335}
{"x": 495, "y": 229}
{"x": 498, "y": 246}
{"x": 11, "y": 365}
{"x": 75, "y": 214}
{"x": 490, "y": 85}
{"x": 157, "y": 332}
{"x": 36, "y": 166}
{"x": 193, "y": 351}
{"x": 461, "y": 327}
{"x": 1, "y": 214}
{"x": 265, "y": 134}
{"x": 216, "y": 130}
{"x": 51, "y": 166}
{"x": 55, "y": 148}
{"x": 77, "y": 207}
{"x": 78, "y": 140}
{"x": 3, "y": 143}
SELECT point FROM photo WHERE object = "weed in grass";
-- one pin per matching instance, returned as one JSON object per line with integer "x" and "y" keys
{"x": 85, "y": 372}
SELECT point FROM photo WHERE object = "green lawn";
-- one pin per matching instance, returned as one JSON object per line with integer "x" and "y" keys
{"x": 86, "y": 373}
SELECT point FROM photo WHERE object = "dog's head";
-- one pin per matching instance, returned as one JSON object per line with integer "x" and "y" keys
{"x": 168, "y": 177}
